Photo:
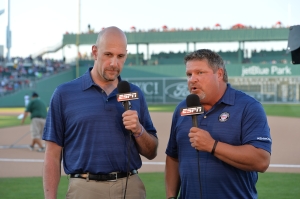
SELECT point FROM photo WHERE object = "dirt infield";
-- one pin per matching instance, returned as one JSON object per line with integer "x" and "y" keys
{"x": 16, "y": 160}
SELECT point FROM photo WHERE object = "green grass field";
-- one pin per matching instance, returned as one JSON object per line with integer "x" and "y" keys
{"x": 285, "y": 110}
{"x": 269, "y": 186}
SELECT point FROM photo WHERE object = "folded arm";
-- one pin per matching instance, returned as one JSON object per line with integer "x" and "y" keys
{"x": 245, "y": 157}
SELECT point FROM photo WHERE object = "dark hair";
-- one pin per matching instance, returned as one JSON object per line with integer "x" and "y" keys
{"x": 214, "y": 60}
{"x": 34, "y": 94}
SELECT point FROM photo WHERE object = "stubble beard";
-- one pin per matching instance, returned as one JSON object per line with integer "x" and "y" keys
{"x": 202, "y": 95}
{"x": 108, "y": 78}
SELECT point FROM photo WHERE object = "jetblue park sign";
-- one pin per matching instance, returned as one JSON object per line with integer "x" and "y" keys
{"x": 259, "y": 70}
{"x": 266, "y": 71}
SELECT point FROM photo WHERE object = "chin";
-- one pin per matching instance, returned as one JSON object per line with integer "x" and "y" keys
{"x": 201, "y": 95}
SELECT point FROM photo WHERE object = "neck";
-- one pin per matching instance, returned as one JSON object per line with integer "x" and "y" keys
{"x": 107, "y": 86}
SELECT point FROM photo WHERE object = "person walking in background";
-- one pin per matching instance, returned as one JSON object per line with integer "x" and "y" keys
{"x": 99, "y": 141}
{"x": 26, "y": 100}
{"x": 221, "y": 157}
{"x": 38, "y": 112}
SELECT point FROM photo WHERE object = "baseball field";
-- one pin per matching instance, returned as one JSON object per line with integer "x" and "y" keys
{"x": 16, "y": 160}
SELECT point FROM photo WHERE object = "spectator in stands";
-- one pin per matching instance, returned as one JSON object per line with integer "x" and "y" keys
{"x": 38, "y": 112}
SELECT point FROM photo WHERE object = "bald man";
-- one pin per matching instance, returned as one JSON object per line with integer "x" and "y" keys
{"x": 99, "y": 141}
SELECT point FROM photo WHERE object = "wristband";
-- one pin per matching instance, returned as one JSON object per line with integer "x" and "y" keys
{"x": 141, "y": 133}
{"x": 214, "y": 147}
{"x": 172, "y": 198}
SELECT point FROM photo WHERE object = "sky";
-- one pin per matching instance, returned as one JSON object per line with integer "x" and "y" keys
{"x": 40, "y": 24}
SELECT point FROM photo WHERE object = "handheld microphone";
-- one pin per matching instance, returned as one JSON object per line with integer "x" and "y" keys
{"x": 125, "y": 95}
{"x": 193, "y": 108}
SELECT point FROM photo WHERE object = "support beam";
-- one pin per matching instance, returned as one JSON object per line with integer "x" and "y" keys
{"x": 8, "y": 32}
{"x": 137, "y": 55}
{"x": 187, "y": 47}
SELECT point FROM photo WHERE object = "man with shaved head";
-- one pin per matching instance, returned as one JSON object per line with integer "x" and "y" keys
{"x": 99, "y": 141}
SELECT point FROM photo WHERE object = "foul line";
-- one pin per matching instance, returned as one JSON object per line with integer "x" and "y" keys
{"x": 144, "y": 163}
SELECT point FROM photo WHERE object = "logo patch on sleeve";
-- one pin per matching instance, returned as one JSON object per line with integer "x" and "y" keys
{"x": 224, "y": 117}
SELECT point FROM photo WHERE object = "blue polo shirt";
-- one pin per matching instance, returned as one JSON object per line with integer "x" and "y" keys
{"x": 237, "y": 119}
{"x": 88, "y": 125}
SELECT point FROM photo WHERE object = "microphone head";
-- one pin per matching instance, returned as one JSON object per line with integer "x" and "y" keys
{"x": 192, "y": 100}
{"x": 193, "y": 106}
{"x": 123, "y": 87}
{"x": 124, "y": 92}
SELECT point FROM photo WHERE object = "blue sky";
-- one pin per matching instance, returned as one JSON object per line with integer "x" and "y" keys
{"x": 39, "y": 24}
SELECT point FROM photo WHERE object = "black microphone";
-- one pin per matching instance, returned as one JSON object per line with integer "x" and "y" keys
{"x": 193, "y": 108}
{"x": 125, "y": 95}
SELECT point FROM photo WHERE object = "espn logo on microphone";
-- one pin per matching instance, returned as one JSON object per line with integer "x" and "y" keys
{"x": 192, "y": 110}
{"x": 127, "y": 96}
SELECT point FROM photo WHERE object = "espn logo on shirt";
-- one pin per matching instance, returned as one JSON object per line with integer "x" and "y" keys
{"x": 192, "y": 110}
{"x": 127, "y": 96}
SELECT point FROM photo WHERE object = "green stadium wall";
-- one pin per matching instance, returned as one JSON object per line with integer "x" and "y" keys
{"x": 167, "y": 83}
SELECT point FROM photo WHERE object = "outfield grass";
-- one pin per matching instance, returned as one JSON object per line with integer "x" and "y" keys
{"x": 9, "y": 120}
{"x": 284, "y": 110}
{"x": 269, "y": 186}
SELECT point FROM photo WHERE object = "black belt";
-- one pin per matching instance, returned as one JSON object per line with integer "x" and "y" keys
{"x": 103, "y": 177}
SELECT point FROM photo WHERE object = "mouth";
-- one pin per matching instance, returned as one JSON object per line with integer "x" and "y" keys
{"x": 113, "y": 70}
{"x": 193, "y": 89}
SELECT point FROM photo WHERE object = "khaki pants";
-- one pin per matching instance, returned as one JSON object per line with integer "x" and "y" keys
{"x": 81, "y": 189}
{"x": 37, "y": 127}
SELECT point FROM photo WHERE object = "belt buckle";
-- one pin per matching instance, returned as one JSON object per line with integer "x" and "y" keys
{"x": 116, "y": 175}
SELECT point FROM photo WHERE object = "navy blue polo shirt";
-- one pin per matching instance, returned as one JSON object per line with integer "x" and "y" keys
{"x": 88, "y": 125}
{"x": 237, "y": 119}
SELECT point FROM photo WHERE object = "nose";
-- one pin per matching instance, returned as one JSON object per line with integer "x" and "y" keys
{"x": 193, "y": 77}
{"x": 114, "y": 61}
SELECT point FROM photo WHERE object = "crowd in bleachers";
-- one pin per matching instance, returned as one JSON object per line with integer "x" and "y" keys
{"x": 217, "y": 26}
{"x": 273, "y": 57}
{"x": 229, "y": 57}
{"x": 165, "y": 28}
{"x": 19, "y": 72}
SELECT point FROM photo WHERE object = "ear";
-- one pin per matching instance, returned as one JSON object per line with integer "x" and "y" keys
{"x": 220, "y": 73}
{"x": 94, "y": 52}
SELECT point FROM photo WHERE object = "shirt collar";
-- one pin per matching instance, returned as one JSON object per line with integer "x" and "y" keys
{"x": 229, "y": 96}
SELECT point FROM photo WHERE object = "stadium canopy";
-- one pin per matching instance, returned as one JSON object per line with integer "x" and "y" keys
{"x": 137, "y": 38}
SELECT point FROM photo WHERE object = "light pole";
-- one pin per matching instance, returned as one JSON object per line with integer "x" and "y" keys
{"x": 8, "y": 32}
{"x": 1, "y": 50}
{"x": 77, "y": 41}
